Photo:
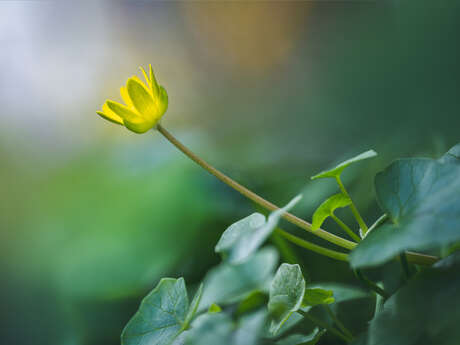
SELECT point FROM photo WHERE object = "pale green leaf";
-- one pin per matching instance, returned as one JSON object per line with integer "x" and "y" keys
{"x": 327, "y": 208}
{"x": 161, "y": 315}
{"x": 227, "y": 283}
{"x": 342, "y": 292}
{"x": 286, "y": 294}
{"x": 337, "y": 170}
{"x": 244, "y": 237}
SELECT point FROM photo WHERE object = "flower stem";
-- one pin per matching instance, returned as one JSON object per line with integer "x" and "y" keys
{"x": 415, "y": 258}
{"x": 355, "y": 211}
{"x": 253, "y": 196}
{"x": 324, "y": 325}
{"x": 346, "y": 228}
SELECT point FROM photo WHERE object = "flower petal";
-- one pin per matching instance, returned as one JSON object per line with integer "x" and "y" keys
{"x": 153, "y": 82}
{"x": 141, "y": 98}
{"x": 132, "y": 120}
{"x": 125, "y": 97}
{"x": 109, "y": 115}
{"x": 163, "y": 101}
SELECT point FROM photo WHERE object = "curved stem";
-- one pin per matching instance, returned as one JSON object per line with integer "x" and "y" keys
{"x": 253, "y": 196}
{"x": 415, "y": 258}
{"x": 324, "y": 325}
{"x": 311, "y": 246}
{"x": 346, "y": 228}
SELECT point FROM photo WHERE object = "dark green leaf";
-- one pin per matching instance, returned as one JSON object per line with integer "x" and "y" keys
{"x": 422, "y": 199}
{"x": 286, "y": 294}
{"x": 425, "y": 311}
{"x": 227, "y": 283}
{"x": 337, "y": 170}
{"x": 244, "y": 237}
{"x": 327, "y": 208}
{"x": 300, "y": 339}
{"x": 161, "y": 315}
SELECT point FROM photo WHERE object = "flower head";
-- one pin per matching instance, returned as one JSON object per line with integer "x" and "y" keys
{"x": 145, "y": 104}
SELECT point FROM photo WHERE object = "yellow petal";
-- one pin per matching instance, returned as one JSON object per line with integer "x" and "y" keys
{"x": 163, "y": 101}
{"x": 108, "y": 114}
{"x": 153, "y": 82}
{"x": 125, "y": 97}
{"x": 142, "y": 99}
{"x": 131, "y": 119}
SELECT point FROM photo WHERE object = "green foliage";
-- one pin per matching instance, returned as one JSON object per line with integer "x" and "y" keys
{"x": 243, "y": 302}
{"x": 337, "y": 170}
{"x": 244, "y": 237}
{"x": 161, "y": 316}
{"x": 327, "y": 208}
{"x": 422, "y": 198}
{"x": 425, "y": 311}
{"x": 286, "y": 294}
{"x": 229, "y": 283}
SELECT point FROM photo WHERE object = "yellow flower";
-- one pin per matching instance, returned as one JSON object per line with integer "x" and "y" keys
{"x": 145, "y": 104}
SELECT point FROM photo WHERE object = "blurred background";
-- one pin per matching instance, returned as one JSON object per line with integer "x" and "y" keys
{"x": 92, "y": 215}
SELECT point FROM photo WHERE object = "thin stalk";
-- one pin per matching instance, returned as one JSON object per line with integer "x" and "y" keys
{"x": 324, "y": 325}
{"x": 355, "y": 211}
{"x": 336, "y": 320}
{"x": 416, "y": 258}
{"x": 346, "y": 228}
{"x": 253, "y": 196}
{"x": 369, "y": 283}
{"x": 311, "y": 246}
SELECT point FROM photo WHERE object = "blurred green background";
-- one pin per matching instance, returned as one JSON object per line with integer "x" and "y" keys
{"x": 91, "y": 215}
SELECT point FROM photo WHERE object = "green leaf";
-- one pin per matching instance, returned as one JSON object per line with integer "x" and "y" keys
{"x": 244, "y": 237}
{"x": 425, "y": 311}
{"x": 422, "y": 198}
{"x": 300, "y": 339}
{"x": 327, "y": 208}
{"x": 317, "y": 296}
{"x": 227, "y": 283}
{"x": 451, "y": 156}
{"x": 342, "y": 292}
{"x": 254, "y": 301}
{"x": 193, "y": 306}
{"x": 286, "y": 294}
{"x": 161, "y": 315}
{"x": 250, "y": 328}
{"x": 337, "y": 170}
{"x": 210, "y": 329}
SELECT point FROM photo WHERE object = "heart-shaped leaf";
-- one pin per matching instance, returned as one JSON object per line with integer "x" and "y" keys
{"x": 286, "y": 294}
{"x": 327, "y": 208}
{"x": 161, "y": 316}
{"x": 422, "y": 198}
